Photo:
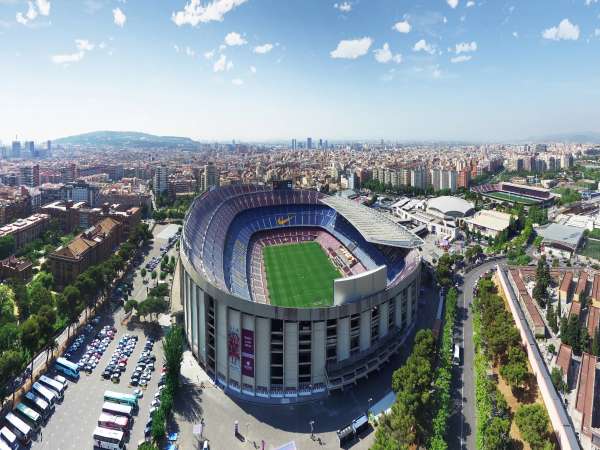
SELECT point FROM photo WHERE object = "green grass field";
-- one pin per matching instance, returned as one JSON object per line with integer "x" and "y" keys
{"x": 591, "y": 249}
{"x": 511, "y": 198}
{"x": 299, "y": 275}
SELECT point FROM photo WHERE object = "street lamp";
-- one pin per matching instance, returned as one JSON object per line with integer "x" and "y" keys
{"x": 312, "y": 429}
{"x": 369, "y": 408}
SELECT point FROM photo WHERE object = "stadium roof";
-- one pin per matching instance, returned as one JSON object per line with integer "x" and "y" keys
{"x": 374, "y": 226}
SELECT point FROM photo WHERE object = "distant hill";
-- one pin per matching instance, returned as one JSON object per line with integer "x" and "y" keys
{"x": 583, "y": 137}
{"x": 126, "y": 139}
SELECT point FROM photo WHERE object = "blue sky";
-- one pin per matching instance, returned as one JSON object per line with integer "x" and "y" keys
{"x": 276, "y": 69}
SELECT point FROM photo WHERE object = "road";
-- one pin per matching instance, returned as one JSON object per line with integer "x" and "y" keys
{"x": 462, "y": 423}
{"x": 72, "y": 424}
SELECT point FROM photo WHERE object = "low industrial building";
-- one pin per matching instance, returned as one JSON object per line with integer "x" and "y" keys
{"x": 440, "y": 215}
{"x": 489, "y": 223}
{"x": 560, "y": 240}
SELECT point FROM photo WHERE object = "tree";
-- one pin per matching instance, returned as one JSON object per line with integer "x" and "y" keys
{"x": 7, "y": 246}
{"x": 532, "y": 421}
{"x": 147, "y": 446}
{"x": 173, "y": 347}
{"x": 12, "y": 363}
{"x": 39, "y": 297}
{"x": 158, "y": 425}
{"x": 497, "y": 434}
{"x": 557, "y": 379}
{"x": 130, "y": 305}
{"x": 46, "y": 279}
{"x": 551, "y": 318}
{"x": 30, "y": 337}
{"x": 143, "y": 273}
{"x": 515, "y": 370}
{"x": 21, "y": 299}
{"x": 7, "y": 305}
{"x": 153, "y": 274}
{"x": 73, "y": 305}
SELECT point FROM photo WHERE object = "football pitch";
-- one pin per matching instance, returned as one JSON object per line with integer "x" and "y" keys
{"x": 299, "y": 275}
{"x": 513, "y": 198}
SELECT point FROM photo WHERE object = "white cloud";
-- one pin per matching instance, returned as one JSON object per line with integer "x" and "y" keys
{"x": 384, "y": 55}
{"x": 194, "y": 13}
{"x": 222, "y": 65}
{"x": 352, "y": 48}
{"x": 237, "y": 81}
{"x": 424, "y": 46}
{"x": 43, "y": 7}
{"x": 84, "y": 45}
{"x": 436, "y": 72}
{"x": 460, "y": 59}
{"x": 564, "y": 31}
{"x": 262, "y": 49}
{"x": 589, "y": 2}
{"x": 68, "y": 58}
{"x": 470, "y": 4}
{"x": 119, "y": 17}
{"x": 176, "y": 47}
{"x": 402, "y": 27}
{"x": 209, "y": 55}
{"x": 344, "y": 7}
{"x": 597, "y": 32}
{"x": 515, "y": 34}
{"x": 234, "y": 38}
{"x": 252, "y": 69}
{"x": 465, "y": 47}
{"x": 452, "y": 3}
{"x": 30, "y": 15}
{"x": 190, "y": 51}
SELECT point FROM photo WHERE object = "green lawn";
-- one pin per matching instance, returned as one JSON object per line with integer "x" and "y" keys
{"x": 591, "y": 249}
{"x": 513, "y": 198}
{"x": 299, "y": 275}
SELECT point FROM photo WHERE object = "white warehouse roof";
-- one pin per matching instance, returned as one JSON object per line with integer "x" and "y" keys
{"x": 374, "y": 226}
{"x": 451, "y": 206}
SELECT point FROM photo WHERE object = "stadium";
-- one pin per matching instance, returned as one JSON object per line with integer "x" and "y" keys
{"x": 516, "y": 193}
{"x": 289, "y": 294}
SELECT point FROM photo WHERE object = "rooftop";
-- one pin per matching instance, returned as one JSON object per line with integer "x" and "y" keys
{"x": 490, "y": 219}
{"x": 451, "y": 205}
{"x": 563, "y": 234}
{"x": 374, "y": 226}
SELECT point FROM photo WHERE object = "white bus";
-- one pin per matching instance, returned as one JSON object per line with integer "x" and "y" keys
{"x": 39, "y": 404}
{"x": 31, "y": 417}
{"x": 114, "y": 422}
{"x": 117, "y": 409}
{"x": 53, "y": 385}
{"x": 44, "y": 392}
{"x": 456, "y": 357}
{"x": 67, "y": 368}
{"x": 20, "y": 428}
{"x": 4, "y": 445}
{"x": 109, "y": 439}
{"x": 9, "y": 438}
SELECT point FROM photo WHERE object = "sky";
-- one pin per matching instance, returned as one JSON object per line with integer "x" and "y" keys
{"x": 259, "y": 70}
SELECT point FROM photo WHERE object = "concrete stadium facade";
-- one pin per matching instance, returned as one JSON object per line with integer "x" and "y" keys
{"x": 276, "y": 354}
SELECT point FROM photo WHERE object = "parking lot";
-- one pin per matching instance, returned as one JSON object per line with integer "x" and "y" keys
{"x": 73, "y": 423}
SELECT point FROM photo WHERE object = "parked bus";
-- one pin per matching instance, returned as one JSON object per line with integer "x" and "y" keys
{"x": 118, "y": 409}
{"x": 32, "y": 418}
{"x": 44, "y": 392}
{"x": 123, "y": 399}
{"x": 114, "y": 422}
{"x": 20, "y": 428}
{"x": 9, "y": 438}
{"x": 53, "y": 385}
{"x": 38, "y": 404}
{"x": 109, "y": 439}
{"x": 67, "y": 368}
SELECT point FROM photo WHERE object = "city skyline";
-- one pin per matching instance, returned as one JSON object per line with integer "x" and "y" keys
{"x": 255, "y": 70}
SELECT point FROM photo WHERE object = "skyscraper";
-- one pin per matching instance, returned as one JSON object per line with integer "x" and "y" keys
{"x": 29, "y": 175}
{"x": 211, "y": 176}
{"x": 309, "y": 143}
{"x": 16, "y": 149}
{"x": 161, "y": 177}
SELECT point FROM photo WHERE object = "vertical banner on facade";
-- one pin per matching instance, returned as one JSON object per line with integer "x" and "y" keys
{"x": 233, "y": 349}
{"x": 248, "y": 353}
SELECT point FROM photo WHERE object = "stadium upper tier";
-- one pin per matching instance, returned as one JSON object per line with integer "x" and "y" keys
{"x": 220, "y": 225}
